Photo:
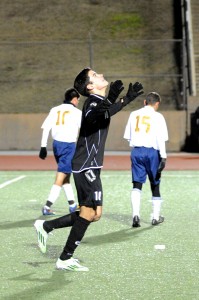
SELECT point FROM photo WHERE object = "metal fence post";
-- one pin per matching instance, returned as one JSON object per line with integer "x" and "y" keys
{"x": 90, "y": 50}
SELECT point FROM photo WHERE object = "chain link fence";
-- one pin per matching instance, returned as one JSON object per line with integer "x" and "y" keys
{"x": 34, "y": 75}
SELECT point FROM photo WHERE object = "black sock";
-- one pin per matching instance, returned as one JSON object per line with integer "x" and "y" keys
{"x": 48, "y": 203}
{"x": 65, "y": 221}
{"x": 76, "y": 234}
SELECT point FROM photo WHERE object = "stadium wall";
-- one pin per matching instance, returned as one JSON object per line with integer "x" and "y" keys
{"x": 23, "y": 131}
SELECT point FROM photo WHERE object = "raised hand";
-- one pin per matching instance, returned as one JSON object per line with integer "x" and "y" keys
{"x": 133, "y": 92}
{"x": 115, "y": 89}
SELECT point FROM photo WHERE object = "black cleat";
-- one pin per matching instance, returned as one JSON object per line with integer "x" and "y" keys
{"x": 136, "y": 221}
{"x": 156, "y": 222}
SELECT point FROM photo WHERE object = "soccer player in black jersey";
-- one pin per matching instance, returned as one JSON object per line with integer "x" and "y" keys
{"x": 88, "y": 161}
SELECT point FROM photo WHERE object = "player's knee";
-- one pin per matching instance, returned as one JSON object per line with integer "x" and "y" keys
{"x": 97, "y": 217}
{"x": 87, "y": 213}
{"x": 98, "y": 214}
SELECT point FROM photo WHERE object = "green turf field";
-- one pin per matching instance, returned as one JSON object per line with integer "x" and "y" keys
{"x": 123, "y": 263}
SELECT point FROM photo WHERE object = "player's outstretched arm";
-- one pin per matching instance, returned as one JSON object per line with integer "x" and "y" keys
{"x": 133, "y": 92}
{"x": 115, "y": 90}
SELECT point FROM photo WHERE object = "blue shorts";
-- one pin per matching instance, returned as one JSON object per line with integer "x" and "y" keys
{"x": 63, "y": 153}
{"x": 144, "y": 162}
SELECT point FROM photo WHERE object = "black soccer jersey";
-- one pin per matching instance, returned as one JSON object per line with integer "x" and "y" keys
{"x": 96, "y": 115}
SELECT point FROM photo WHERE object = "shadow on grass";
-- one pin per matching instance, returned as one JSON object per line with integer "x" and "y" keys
{"x": 42, "y": 291}
{"x": 124, "y": 219}
{"x": 53, "y": 251}
{"x": 116, "y": 236}
{"x": 118, "y": 217}
{"x": 120, "y": 235}
{"x": 17, "y": 224}
{"x": 24, "y": 223}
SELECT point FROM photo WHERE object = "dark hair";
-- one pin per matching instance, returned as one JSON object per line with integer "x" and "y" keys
{"x": 81, "y": 82}
{"x": 152, "y": 98}
{"x": 70, "y": 94}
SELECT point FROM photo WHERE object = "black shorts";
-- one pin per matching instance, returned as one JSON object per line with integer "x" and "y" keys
{"x": 89, "y": 188}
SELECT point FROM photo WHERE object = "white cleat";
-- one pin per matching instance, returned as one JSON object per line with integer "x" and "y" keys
{"x": 71, "y": 264}
{"x": 42, "y": 235}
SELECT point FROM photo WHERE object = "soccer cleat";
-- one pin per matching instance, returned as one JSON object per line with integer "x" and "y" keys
{"x": 156, "y": 222}
{"x": 42, "y": 235}
{"x": 72, "y": 207}
{"x": 71, "y": 264}
{"x": 47, "y": 212}
{"x": 136, "y": 221}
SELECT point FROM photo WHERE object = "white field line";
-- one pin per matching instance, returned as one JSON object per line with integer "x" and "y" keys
{"x": 11, "y": 181}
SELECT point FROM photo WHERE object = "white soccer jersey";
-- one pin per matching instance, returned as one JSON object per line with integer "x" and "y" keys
{"x": 64, "y": 122}
{"x": 147, "y": 128}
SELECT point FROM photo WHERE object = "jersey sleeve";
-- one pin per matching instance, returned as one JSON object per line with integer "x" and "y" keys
{"x": 97, "y": 110}
{"x": 115, "y": 108}
{"x": 46, "y": 126}
{"x": 127, "y": 132}
{"x": 165, "y": 130}
{"x": 48, "y": 121}
{"x": 162, "y": 136}
{"x": 44, "y": 139}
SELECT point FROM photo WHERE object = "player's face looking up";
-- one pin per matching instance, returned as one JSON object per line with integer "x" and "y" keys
{"x": 97, "y": 81}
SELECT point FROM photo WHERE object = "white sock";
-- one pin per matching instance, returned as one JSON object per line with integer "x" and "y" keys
{"x": 156, "y": 204}
{"x": 69, "y": 192}
{"x": 135, "y": 202}
{"x": 54, "y": 193}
